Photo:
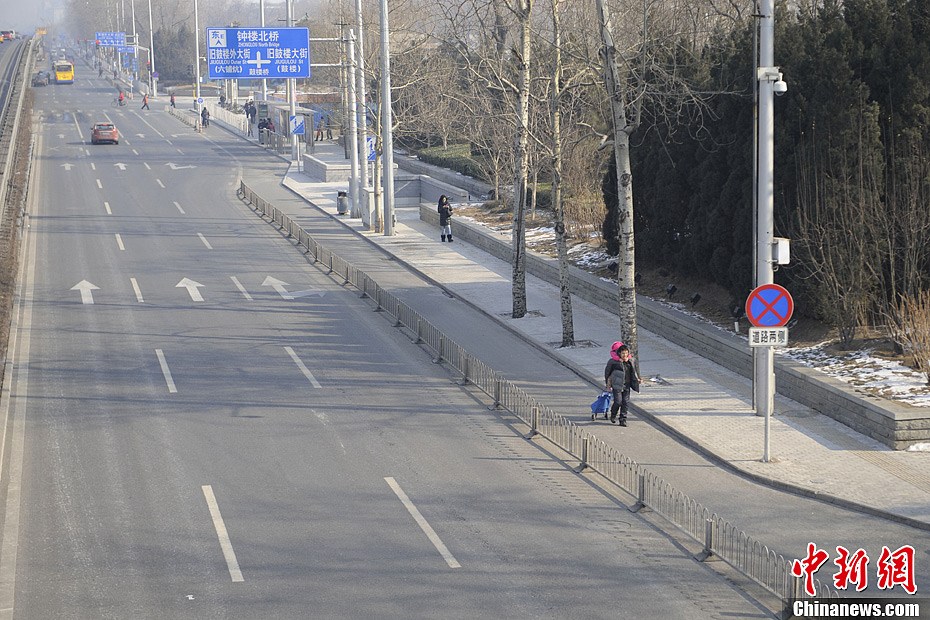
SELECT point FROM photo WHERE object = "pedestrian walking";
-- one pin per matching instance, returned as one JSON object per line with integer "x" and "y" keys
{"x": 620, "y": 377}
{"x": 319, "y": 130}
{"x": 205, "y": 117}
{"x": 329, "y": 127}
{"x": 445, "y": 218}
{"x": 172, "y": 101}
{"x": 145, "y": 102}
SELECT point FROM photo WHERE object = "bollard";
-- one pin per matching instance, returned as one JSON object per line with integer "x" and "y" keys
{"x": 584, "y": 455}
{"x": 641, "y": 499}
{"x": 707, "y": 554}
{"x": 364, "y": 287}
{"x": 347, "y": 279}
{"x": 534, "y": 424}
{"x": 330, "y": 264}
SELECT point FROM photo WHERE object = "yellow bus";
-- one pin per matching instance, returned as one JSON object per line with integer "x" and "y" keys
{"x": 64, "y": 72}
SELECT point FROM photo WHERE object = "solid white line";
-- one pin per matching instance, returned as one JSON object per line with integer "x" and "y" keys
{"x": 119, "y": 242}
{"x": 106, "y": 205}
{"x": 99, "y": 184}
{"x": 147, "y": 166}
{"x": 303, "y": 368}
{"x": 225, "y": 544}
{"x": 138, "y": 291}
{"x": 205, "y": 242}
{"x": 166, "y": 371}
{"x": 135, "y": 152}
{"x": 240, "y": 287}
{"x": 160, "y": 183}
{"x": 180, "y": 151}
{"x": 429, "y": 531}
{"x": 179, "y": 208}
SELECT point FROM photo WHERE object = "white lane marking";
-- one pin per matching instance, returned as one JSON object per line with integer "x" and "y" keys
{"x": 119, "y": 242}
{"x": 225, "y": 544}
{"x": 80, "y": 133}
{"x": 99, "y": 184}
{"x": 180, "y": 151}
{"x": 205, "y": 242}
{"x": 135, "y": 152}
{"x": 166, "y": 371}
{"x": 160, "y": 183}
{"x": 106, "y": 205}
{"x": 303, "y": 368}
{"x": 147, "y": 166}
{"x": 137, "y": 290}
{"x": 192, "y": 288}
{"x": 240, "y": 287}
{"x": 86, "y": 288}
{"x": 93, "y": 166}
{"x": 179, "y": 208}
{"x": 429, "y": 531}
{"x": 160, "y": 135}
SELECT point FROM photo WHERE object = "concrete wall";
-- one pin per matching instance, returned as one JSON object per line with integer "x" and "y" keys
{"x": 895, "y": 425}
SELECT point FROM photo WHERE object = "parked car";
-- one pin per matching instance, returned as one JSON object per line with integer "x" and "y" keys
{"x": 104, "y": 132}
{"x": 40, "y": 78}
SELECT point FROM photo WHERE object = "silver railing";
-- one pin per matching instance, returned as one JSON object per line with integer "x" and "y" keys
{"x": 720, "y": 539}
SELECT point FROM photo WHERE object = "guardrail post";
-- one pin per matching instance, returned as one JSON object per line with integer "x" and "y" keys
{"x": 364, "y": 286}
{"x": 641, "y": 495}
{"x": 378, "y": 307}
{"x": 330, "y": 264}
{"x": 584, "y": 455}
{"x": 419, "y": 338}
{"x": 498, "y": 388}
{"x": 346, "y": 280}
{"x": 707, "y": 554}
{"x": 534, "y": 424}
{"x": 464, "y": 380}
{"x": 442, "y": 346}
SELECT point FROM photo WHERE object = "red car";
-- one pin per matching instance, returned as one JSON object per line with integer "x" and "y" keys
{"x": 104, "y": 132}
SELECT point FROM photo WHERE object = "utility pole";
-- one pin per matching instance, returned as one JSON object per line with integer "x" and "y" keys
{"x": 152, "y": 55}
{"x": 196, "y": 64}
{"x": 352, "y": 140}
{"x": 261, "y": 5}
{"x": 292, "y": 92}
{"x": 362, "y": 121}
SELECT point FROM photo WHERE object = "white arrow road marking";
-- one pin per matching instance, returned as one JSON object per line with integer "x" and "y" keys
{"x": 225, "y": 544}
{"x": 172, "y": 388}
{"x": 174, "y": 166}
{"x": 308, "y": 293}
{"x": 119, "y": 242}
{"x": 277, "y": 285}
{"x": 137, "y": 290}
{"x": 61, "y": 136}
{"x": 303, "y": 368}
{"x": 205, "y": 242}
{"x": 67, "y": 167}
{"x": 160, "y": 183}
{"x": 86, "y": 288}
{"x": 106, "y": 205}
{"x": 120, "y": 165}
{"x": 179, "y": 208}
{"x": 140, "y": 135}
{"x": 240, "y": 287}
{"x": 191, "y": 287}
{"x": 424, "y": 525}
{"x": 99, "y": 184}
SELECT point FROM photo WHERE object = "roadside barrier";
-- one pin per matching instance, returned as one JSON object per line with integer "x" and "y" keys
{"x": 720, "y": 539}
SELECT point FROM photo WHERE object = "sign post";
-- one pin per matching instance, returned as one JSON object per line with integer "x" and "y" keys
{"x": 769, "y": 308}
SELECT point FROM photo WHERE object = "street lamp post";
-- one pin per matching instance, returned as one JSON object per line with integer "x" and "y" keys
{"x": 196, "y": 63}
{"x": 152, "y": 54}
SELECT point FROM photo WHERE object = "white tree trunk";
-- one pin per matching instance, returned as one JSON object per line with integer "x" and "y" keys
{"x": 522, "y": 161}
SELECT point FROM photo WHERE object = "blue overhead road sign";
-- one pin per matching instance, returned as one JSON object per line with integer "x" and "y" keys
{"x": 250, "y": 53}
{"x": 111, "y": 39}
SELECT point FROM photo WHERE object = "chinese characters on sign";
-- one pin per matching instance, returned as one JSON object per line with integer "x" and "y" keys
{"x": 894, "y": 568}
{"x": 247, "y": 53}
{"x": 768, "y": 336}
{"x": 111, "y": 39}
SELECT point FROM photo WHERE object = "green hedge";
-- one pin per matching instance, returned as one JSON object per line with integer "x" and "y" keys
{"x": 457, "y": 157}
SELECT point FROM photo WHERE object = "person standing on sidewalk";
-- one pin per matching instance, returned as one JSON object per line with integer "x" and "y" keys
{"x": 620, "y": 377}
{"x": 172, "y": 101}
{"x": 445, "y": 218}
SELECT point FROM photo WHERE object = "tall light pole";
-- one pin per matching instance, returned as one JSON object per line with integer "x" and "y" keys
{"x": 261, "y": 6}
{"x": 135, "y": 44}
{"x": 196, "y": 61}
{"x": 770, "y": 82}
{"x": 152, "y": 54}
{"x": 292, "y": 89}
{"x": 362, "y": 120}
{"x": 352, "y": 140}
{"x": 387, "y": 140}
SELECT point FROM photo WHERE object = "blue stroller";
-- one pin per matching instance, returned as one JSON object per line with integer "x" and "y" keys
{"x": 601, "y": 405}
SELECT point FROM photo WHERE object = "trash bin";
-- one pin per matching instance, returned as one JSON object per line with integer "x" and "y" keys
{"x": 342, "y": 202}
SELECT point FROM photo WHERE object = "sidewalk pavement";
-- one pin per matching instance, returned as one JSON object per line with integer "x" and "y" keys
{"x": 702, "y": 404}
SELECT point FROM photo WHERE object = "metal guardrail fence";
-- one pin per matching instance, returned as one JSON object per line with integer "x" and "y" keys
{"x": 720, "y": 539}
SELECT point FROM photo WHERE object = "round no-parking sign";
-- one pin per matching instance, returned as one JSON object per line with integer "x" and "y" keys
{"x": 769, "y": 305}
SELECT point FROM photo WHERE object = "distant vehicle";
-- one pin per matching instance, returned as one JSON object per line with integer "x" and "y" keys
{"x": 64, "y": 72}
{"x": 104, "y": 132}
{"x": 8, "y": 35}
{"x": 41, "y": 78}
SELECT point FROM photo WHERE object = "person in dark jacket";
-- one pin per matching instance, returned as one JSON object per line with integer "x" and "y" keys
{"x": 620, "y": 377}
{"x": 445, "y": 218}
